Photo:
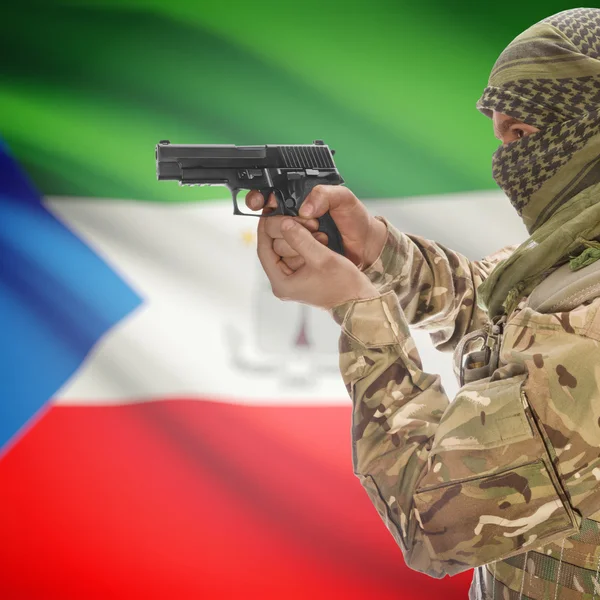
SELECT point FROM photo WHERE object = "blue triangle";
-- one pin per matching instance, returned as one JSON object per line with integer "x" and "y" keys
{"x": 57, "y": 298}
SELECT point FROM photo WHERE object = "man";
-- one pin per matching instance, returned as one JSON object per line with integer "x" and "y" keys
{"x": 505, "y": 477}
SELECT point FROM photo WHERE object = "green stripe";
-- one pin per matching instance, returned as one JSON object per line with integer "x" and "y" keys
{"x": 87, "y": 90}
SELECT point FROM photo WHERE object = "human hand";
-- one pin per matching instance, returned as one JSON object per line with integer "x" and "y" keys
{"x": 363, "y": 236}
{"x": 325, "y": 279}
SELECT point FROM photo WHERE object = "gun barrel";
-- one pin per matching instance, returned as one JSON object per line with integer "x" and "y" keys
{"x": 173, "y": 159}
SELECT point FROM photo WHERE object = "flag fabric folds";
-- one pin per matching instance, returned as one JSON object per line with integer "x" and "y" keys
{"x": 168, "y": 428}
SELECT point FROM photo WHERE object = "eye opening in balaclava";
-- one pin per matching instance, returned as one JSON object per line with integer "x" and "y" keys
{"x": 549, "y": 77}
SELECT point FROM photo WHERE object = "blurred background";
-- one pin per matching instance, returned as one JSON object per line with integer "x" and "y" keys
{"x": 168, "y": 429}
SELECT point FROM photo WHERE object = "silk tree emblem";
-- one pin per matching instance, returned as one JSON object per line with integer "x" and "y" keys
{"x": 295, "y": 342}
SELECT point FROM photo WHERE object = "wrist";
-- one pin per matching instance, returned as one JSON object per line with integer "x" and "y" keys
{"x": 375, "y": 242}
{"x": 361, "y": 290}
{"x": 366, "y": 292}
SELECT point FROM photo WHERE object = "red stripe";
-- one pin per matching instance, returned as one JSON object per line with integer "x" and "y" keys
{"x": 186, "y": 499}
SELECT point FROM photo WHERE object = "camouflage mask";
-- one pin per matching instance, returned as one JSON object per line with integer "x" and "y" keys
{"x": 549, "y": 77}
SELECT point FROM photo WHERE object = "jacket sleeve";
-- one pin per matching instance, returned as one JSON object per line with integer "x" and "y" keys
{"x": 458, "y": 484}
{"x": 436, "y": 287}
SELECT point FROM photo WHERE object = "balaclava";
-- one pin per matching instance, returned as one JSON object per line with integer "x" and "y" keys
{"x": 549, "y": 77}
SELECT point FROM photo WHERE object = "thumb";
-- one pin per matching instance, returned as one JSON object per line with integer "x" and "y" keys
{"x": 327, "y": 198}
{"x": 302, "y": 241}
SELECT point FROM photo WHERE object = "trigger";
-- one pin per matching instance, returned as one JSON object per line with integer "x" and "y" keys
{"x": 265, "y": 194}
{"x": 271, "y": 211}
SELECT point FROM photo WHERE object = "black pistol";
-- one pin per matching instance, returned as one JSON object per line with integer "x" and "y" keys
{"x": 290, "y": 172}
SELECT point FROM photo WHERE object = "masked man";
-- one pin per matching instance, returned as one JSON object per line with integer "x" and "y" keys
{"x": 505, "y": 478}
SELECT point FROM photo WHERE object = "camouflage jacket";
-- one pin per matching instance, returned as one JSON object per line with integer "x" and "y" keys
{"x": 512, "y": 463}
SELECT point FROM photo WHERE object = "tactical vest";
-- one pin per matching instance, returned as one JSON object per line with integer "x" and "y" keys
{"x": 565, "y": 570}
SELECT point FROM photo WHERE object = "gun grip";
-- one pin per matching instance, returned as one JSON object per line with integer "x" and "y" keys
{"x": 327, "y": 225}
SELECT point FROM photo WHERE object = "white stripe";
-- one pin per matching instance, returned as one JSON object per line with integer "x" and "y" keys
{"x": 209, "y": 326}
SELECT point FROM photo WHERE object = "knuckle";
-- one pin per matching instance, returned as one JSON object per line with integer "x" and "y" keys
{"x": 277, "y": 292}
{"x": 344, "y": 196}
{"x": 273, "y": 227}
{"x": 319, "y": 193}
{"x": 294, "y": 262}
{"x": 311, "y": 224}
{"x": 281, "y": 247}
{"x": 325, "y": 262}
{"x": 315, "y": 194}
{"x": 320, "y": 263}
{"x": 302, "y": 245}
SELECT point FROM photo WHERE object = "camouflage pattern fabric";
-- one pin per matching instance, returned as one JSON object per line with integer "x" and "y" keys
{"x": 506, "y": 475}
{"x": 441, "y": 301}
{"x": 549, "y": 77}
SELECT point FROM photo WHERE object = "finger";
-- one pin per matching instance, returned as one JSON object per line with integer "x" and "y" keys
{"x": 283, "y": 249}
{"x": 311, "y": 224}
{"x": 321, "y": 237}
{"x": 270, "y": 261}
{"x": 294, "y": 262}
{"x": 302, "y": 241}
{"x": 273, "y": 226}
{"x": 272, "y": 203}
{"x": 316, "y": 203}
{"x": 287, "y": 270}
{"x": 268, "y": 207}
{"x": 325, "y": 198}
{"x": 254, "y": 200}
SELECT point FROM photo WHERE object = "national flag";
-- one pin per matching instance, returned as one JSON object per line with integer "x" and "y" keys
{"x": 168, "y": 428}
